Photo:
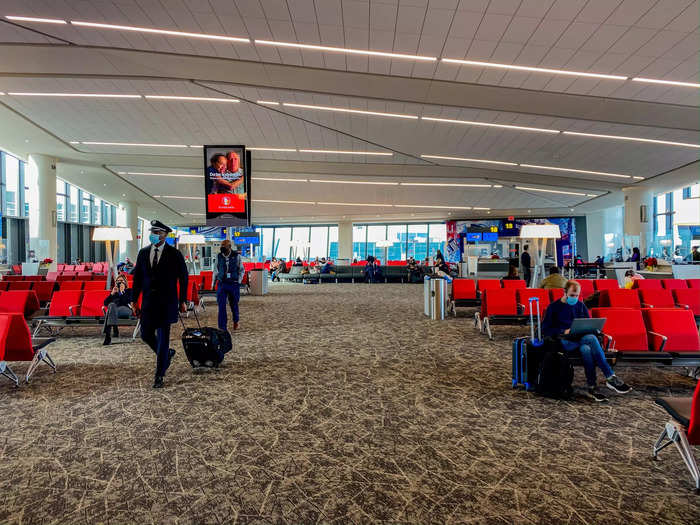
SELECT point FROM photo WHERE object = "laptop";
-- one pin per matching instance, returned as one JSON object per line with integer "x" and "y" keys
{"x": 587, "y": 325}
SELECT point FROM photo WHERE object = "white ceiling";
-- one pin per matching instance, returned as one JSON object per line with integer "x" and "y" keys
{"x": 650, "y": 38}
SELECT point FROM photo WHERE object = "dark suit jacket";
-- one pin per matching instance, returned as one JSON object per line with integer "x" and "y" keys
{"x": 160, "y": 303}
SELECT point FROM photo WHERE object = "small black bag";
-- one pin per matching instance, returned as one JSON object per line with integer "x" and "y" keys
{"x": 555, "y": 376}
{"x": 204, "y": 344}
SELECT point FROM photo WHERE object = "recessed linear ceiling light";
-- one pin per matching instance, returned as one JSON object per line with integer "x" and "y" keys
{"x": 292, "y": 150}
{"x": 669, "y": 82}
{"x": 268, "y": 102}
{"x": 344, "y": 50}
{"x": 346, "y": 110}
{"x": 469, "y": 160}
{"x": 197, "y": 99}
{"x": 634, "y": 139}
{"x": 446, "y": 184}
{"x": 342, "y": 152}
{"x": 272, "y": 179}
{"x": 555, "y": 168}
{"x": 178, "y": 197}
{"x": 436, "y": 207}
{"x": 134, "y": 144}
{"x": 283, "y": 202}
{"x": 354, "y": 182}
{"x": 490, "y": 125}
{"x": 554, "y": 191}
{"x": 532, "y": 69}
{"x": 32, "y": 19}
{"x": 195, "y": 214}
{"x": 78, "y": 95}
{"x": 161, "y": 31}
{"x": 179, "y": 175}
{"x": 355, "y": 204}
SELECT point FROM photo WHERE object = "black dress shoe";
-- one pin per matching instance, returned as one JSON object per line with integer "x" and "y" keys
{"x": 158, "y": 383}
{"x": 107, "y": 340}
{"x": 171, "y": 353}
{"x": 115, "y": 331}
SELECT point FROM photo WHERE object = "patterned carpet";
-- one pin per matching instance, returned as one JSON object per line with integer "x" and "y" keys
{"x": 339, "y": 404}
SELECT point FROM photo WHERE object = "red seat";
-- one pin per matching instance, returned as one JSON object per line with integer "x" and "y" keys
{"x": 671, "y": 330}
{"x": 488, "y": 284}
{"x": 65, "y": 303}
{"x": 687, "y": 298}
{"x": 625, "y": 326}
{"x": 587, "y": 288}
{"x": 84, "y": 275}
{"x": 674, "y": 284}
{"x": 524, "y": 296}
{"x": 647, "y": 284}
{"x": 69, "y": 268}
{"x": 499, "y": 301}
{"x": 555, "y": 294}
{"x": 693, "y": 283}
{"x": 656, "y": 299}
{"x": 80, "y": 267}
{"x": 64, "y": 277}
{"x": 13, "y": 278}
{"x": 514, "y": 283}
{"x": 605, "y": 284}
{"x": 71, "y": 285}
{"x": 4, "y": 284}
{"x": 24, "y": 302}
{"x": 463, "y": 289}
{"x": 44, "y": 290}
{"x": 95, "y": 285}
{"x": 20, "y": 285}
{"x": 15, "y": 339}
{"x": 32, "y": 278}
{"x": 93, "y": 302}
{"x": 198, "y": 280}
{"x": 620, "y": 298}
{"x": 17, "y": 269}
{"x": 207, "y": 279}
{"x": 60, "y": 267}
{"x": 51, "y": 276}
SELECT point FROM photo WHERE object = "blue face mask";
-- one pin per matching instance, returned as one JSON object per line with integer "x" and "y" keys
{"x": 571, "y": 300}
{"x": 154, "y": 238}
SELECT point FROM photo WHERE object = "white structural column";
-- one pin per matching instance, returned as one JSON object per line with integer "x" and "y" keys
{"x": 344, "y": 240}
{"x": 131, "y": 221}
{"x": 42, "y": 169}
{"x": 639, "y": 216}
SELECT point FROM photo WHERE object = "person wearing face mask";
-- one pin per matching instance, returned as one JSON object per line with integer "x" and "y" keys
{"x": 229, "y": 274}
{"x": 557, "y": 324}
{"x": 158, "y": 270}
{"x": 117, "y": 304}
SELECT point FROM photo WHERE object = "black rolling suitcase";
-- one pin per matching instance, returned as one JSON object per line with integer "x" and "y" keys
{"x": 528, "y": 353}
{"x": 205, "y": 344}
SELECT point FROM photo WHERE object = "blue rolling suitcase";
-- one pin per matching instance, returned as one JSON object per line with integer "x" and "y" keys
{"x": 527, "y": 353}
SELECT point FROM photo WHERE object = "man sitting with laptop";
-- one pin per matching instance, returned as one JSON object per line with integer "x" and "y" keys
{"x": 569, "y": 321}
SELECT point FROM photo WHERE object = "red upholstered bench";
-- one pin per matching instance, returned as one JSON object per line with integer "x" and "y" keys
{"x": 514, "y": 283}
{"x": 498, "y": 306}
{"x": 24, "y": 302}
{"x": 656, "y": 299}
{"x": 647, "y": 284}
{"x": 16, "y": 345}
{"x": 674, "y": 284}
{"x": 463, "y": 294}
{"x": 605, "y": 284}
{"x": 620, "y": 298}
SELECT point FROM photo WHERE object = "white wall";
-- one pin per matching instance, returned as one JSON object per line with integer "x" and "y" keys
{"x": 605, "y": 227}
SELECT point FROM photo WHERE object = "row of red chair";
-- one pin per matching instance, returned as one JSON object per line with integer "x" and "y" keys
{"x": 23, "y": 302}
{"x": 16, "y": 345}
{"x": 511, "y": 306}
{"x": 688, "y": 298}
{"x": 666, "y": 284}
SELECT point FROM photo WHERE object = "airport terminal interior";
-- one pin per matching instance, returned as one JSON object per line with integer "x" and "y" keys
{"x": 350, "y": 261}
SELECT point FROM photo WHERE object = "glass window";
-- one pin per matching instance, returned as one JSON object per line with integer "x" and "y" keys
{"x": 376, "y": 232}
{"x": 397, "y": 234}
{"x": 85, "y": 208}
{"x": 300, "y": 241}
{"x": 437, "y": 236}
{"x": 359, "y": 242}
{"x": 319, "y": 242}
{"x": 11, "y": 185}
{"x": 283, "y": 237}
{"x": 96, "y": 211}
{"x": 266, "y": 241}
{"x": 72, "y": 204}
{"x": 418, "y": 241}
{"x": 61, "y": 201}
{"x": 333, "y": 242}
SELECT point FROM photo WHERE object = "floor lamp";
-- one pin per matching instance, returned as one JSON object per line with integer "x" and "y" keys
{"x": 109, "y": 234}
{"x": 538, "y": 235}
{"x": 385, "y": 245}
{"x": 189, "y": 240}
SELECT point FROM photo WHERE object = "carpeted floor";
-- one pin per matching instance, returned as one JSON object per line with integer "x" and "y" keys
{"x": 339, "y": 404}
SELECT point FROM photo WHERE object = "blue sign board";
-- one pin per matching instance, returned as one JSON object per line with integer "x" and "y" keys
{"x": 473, "y": 237}
{"x": 490, "y": 236}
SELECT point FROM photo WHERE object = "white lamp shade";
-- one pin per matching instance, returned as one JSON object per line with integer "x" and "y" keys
{"x": 191, "y": 238}
{"x": 540, "y": 231}
{"x": 111, "y": 234}
{"x": 383, "y": 244}
{"x": 298, "y": 243}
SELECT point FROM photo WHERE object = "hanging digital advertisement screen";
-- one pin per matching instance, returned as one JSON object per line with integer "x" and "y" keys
{"x": 227, "y": 185}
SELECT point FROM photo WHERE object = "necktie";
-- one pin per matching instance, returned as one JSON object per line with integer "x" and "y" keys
{"x": 155, "y": 257}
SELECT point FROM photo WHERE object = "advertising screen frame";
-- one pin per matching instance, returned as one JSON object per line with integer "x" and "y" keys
{"x": 218, "y": 218}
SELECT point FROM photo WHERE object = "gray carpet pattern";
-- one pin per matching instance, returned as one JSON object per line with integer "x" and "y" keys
{"x": 338, "y": 404}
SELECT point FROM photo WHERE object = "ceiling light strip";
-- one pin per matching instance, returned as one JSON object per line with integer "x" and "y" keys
{"x": 197, "y": 99}
{"x": 90, "y": 143}
{"x": 272, "y": 179}
{"x": 447, "y": 184}
{"x": 528, "y": 188}
{"x": 177, "y": 175}
{"x": 71, "y": 95}
{"x": 490, "y": 125}
{"x": 347, "y": 110}
{"x": 178, "y": 197}
{"x": 555, "y": 168}
{"x": 160, "y": 31}
{"x": 668, "y": 82}
{"x": 343, "y": 152}
{"x": 355, "y": 204}
{"x": 634, "y": 139}
{"x": 268, "y": 102}
{"x": 435, "y": 207}
{"x": 347, "y": 50}
{"x": 532, "y": 69}
{"x": 282, "y": 202}
{"x": 463, "y": 159}
{"x": 33, "y": 19}
{"x": 291, "y": 150}
{"x": 354, "y": 182}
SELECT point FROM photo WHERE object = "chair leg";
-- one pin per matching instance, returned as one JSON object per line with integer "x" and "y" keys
{"x": 487, "y": 327}
{"x": 675, "y": 434}
{"x": 136, "y": 329}
{"x": 41, "y": 355}
{"x": 6, "y": 371}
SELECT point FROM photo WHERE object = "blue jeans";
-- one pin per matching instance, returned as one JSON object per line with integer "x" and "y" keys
{"x": 230, "y": 292}
{"x": 158, "y": 338}
{"x": 591, "y": 354}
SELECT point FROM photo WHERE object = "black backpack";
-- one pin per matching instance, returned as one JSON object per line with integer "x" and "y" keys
{"x": 554, "y": 376}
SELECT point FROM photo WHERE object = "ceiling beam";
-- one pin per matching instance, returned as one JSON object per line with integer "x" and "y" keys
{"x": 103, "y": 62}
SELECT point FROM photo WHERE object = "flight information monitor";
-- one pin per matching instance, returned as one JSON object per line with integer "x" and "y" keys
{"x": 227, "y": 185}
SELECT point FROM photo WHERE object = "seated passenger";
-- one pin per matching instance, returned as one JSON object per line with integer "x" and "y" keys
{"x": 415, "y": 275}
{"x": 117, "y": 304}
{"x": 298, "y": 262}
{"x": 630, "y": 277}
{"x": 557, "y": 323}
{"x": 327, "y": 265}
{"x": 512, "y": 274}
{"x": 554, "y": 280}
{"x": 373, "y": 272}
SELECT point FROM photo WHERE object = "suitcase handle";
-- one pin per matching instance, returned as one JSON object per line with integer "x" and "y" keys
{"x": 532, "y": 323}
{"x": 195, "y": 316}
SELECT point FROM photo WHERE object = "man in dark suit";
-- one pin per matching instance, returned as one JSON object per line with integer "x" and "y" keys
{"x": 526, "y": 261}
{"x": 159, "y": 268}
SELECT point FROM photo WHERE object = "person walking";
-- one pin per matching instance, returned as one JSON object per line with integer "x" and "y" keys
{"x": 229, "y": 274}
{"x": 158, "y": 271}
{"x": 525, "y": 261}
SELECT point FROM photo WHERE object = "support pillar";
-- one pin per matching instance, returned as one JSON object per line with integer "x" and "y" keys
{"x": 639, "y": 216}
{"x": 42, "y": 169}
{"x": 131, "y": 220}
{"x": 345, "y": 240}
